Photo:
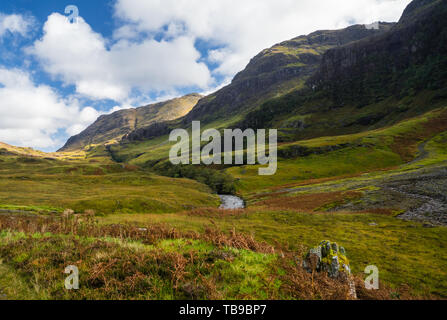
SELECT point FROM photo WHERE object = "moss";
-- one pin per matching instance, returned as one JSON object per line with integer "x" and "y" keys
{"x": 331, "y": 250}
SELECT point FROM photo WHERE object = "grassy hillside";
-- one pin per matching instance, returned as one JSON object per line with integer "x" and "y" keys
{"x": 318, "y": 158}
{"x": 347, "y": 154}
{"x": 275, "y": 72}
{"x": 93, "y": 182}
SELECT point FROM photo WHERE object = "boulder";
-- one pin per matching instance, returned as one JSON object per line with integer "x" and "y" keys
{"x": 331, "y": 258}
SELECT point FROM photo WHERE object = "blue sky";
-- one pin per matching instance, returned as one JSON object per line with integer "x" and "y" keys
{"x": 57, "y": 77}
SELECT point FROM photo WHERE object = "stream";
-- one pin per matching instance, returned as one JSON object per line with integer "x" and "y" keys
{"x": 231, "y": 202}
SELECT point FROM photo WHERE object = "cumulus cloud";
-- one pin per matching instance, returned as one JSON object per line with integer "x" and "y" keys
{"x": 234, "y": 31}
{"x": 243, "y": 28}
{"x": 32, "y": 114}
{"x": 79, "y": 56}
{"x": 15, "y": 24}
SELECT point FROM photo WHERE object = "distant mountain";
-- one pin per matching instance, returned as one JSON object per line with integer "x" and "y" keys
{"x": 8, "y": 150}
{"x": 112, "y": 127}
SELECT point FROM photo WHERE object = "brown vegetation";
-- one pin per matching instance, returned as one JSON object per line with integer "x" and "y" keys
{"x": 406, "y": 145}
{"x": 85, "y": 225}
{"x": 309, "y": 202}
{"x": 116, "y": 271}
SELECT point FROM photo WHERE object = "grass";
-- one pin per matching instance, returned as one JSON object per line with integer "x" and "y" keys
{"x": 338, "y": 163}
{"x": 38, "y": 184}
{"x": 404, "y": 252}
{"x": 157, "y": 272}
{"x": 363, "y": 152}
{"x": 31, "y": 209}
{"x": 159, "y": 262}
{"x": 354, "y": 154}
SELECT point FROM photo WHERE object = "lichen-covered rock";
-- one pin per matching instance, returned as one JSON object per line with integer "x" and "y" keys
{"x": 327, "y": 257}
{"x": 331, "y": 258}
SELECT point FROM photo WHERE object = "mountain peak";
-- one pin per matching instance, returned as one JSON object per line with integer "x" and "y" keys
{"x": 112, "y": 127}
{"x": 416, "y": 7}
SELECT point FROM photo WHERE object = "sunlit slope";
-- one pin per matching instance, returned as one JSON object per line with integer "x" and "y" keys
{"x": 345, "y": 155}
{"x": 112, "y": 127}
{"x": 317, "y": 158}
{"x": 93, "y": 182}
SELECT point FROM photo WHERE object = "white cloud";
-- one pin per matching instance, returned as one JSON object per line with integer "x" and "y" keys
{"x": 126, "y": 32}
{"x": 31, "y": 115}
{"x": 132, "y": 62}
{"x": 79, "y": 56}
{"x": 14, "y": 23}
{"x": 246, "y": 27}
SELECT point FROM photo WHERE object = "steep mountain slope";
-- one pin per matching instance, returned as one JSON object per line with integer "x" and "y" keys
{"x": 370, "y": 83}
{"x": 411, "y": 57}
{"x": 272, "y": 73}
{"x": 276, "y": 71}
{"x": 114, "y": 126}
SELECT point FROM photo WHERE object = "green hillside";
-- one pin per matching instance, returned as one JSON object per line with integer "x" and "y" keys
{"x": 93, "y": 182}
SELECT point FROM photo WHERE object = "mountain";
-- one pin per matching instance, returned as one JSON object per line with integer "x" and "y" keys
{"x": 331, "y": 82}
{"x": 112, "y": 127}
{"x": 370, "y": 83}
{"x": 411, "y": 57}
{"x": 274, "y": 72}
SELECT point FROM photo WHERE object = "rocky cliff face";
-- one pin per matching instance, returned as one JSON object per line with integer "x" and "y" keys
{"x": 113, "y": 127}
{"x": 370, "y": 83}
{"x": 411, "y": 56}
{"x": 275, "y": 72}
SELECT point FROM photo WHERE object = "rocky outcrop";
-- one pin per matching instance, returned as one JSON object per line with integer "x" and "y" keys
{"x": 152, "y": 131}
{"x": 329, "y": 257}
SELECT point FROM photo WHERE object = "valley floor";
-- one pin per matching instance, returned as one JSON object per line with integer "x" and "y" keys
{"x": 139, "y": 235}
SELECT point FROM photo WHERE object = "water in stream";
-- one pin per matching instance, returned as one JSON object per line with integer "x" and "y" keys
{"x": 231, "y": 202}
